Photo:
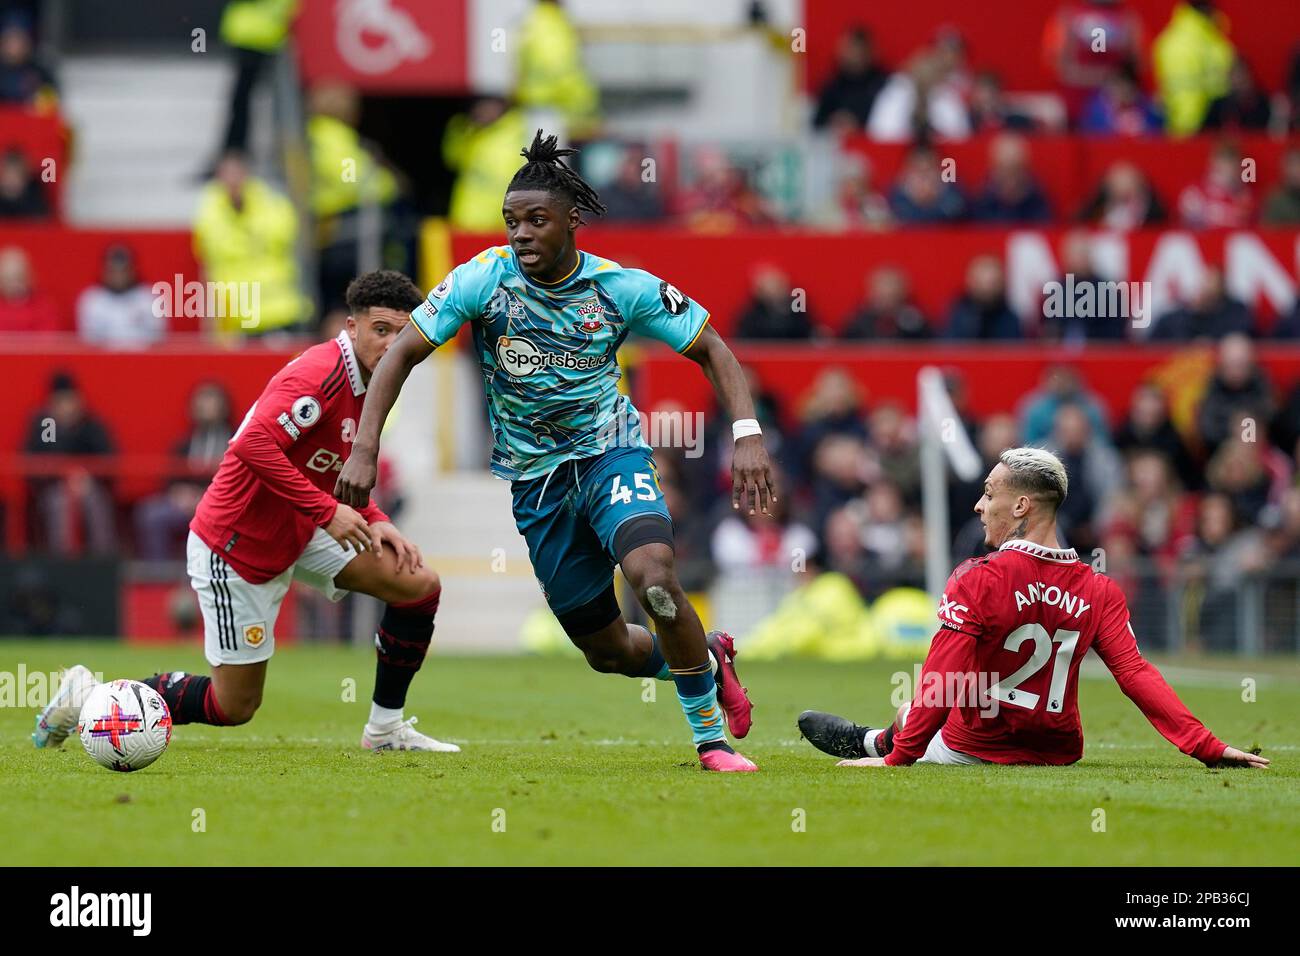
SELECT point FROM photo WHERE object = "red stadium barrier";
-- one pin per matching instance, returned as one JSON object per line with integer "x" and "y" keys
{"x": 143, "y": 397}
{"x": 66, "y": 261}
{"x": 1261, "y": 266}
{"x": 41, "y": 137}
{"x": 1007, "y": 37}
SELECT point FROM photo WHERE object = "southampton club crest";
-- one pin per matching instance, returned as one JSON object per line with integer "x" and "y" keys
{"x": 591, "y": 316}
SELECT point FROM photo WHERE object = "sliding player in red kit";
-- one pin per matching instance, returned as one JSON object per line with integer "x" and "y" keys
{"x": 269, "y": 518}
{"x": 1001, "y": 681}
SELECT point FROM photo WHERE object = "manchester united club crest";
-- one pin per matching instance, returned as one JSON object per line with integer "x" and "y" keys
{"x": 591, "y": 316}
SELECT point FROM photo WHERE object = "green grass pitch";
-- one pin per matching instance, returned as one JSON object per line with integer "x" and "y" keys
{"x": 564, "y": 766}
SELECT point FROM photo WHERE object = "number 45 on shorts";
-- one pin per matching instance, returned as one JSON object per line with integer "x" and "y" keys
{"x": 620, "y": 493}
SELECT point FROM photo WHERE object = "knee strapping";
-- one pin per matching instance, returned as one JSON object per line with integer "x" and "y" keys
{"x": 662, "y": 605}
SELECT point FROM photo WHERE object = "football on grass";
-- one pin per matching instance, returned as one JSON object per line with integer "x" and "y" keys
{"x": 125, "y": 725}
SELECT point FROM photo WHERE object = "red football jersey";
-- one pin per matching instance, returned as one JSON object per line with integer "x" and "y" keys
{"x": 276, "y": 481}
{"x": 1002, "y": 675}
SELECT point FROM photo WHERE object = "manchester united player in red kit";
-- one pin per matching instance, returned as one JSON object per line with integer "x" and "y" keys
{"x": 1000, "y": 683}
{"x": 269, "y": 518}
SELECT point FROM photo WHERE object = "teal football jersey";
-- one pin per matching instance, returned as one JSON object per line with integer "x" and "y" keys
{"x": 547, "y": 352}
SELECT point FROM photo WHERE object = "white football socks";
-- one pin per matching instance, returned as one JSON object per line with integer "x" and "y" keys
{"x": 384, "y": 718}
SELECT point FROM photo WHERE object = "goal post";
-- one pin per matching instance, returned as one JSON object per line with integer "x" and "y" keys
{"x": 944, "y": 443}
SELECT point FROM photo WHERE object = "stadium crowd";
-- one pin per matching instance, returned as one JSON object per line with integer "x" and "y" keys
{"x": 1204, "y": 500}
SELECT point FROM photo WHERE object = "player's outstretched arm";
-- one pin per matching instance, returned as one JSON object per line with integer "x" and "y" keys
{"x": 1143, "y": 684}
{"x": 408, "y": 350}
{"x": 751, "y": 472}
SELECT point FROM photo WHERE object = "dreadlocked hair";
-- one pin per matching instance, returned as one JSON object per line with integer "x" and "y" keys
{"x": 546, "y": 170}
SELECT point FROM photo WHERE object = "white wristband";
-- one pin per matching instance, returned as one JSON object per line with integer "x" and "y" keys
{"x": 744, "y": 427}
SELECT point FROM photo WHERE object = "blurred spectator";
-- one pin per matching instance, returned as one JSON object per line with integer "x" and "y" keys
{"x": 1070, "y": 46}
{"x": 118, "y": 311}
{"x": 23, "y": 308}
{"x": 1061, "y": 385}
{"x": 550, "y": 73}
{"x": 921, "y": 195}
{"x": 1221, "y": 200}
{"x": 162, "y": 521}
{"x": 893, "y": 453}
{"x": 1284, "y": 539}
{"x": 839, "y": 475}
{"x": 770, "y": 312}
{"x": 1161, "y": 517}
{"x": 1120, "y": 108}
{"x": 1080, "y": 274}
{"x": 857, "y": 204}
{"x": 1244, "y": 107}
{"x": 1253, "y": 474}
{"x": 722, "y": 198}
{"x": 989, "y": 111}
{"x": 256, "y": 30}
{"x": 1282, "y": 207}
{"x": 244, "y": 233}
{"x": 1212, "y": 314}
{"x": 884, "y": 532}
{"x": 834, "y": 405}
{"x": 888, "y": 312}
{"x": 842, "y": 550}
{"x": 982, "y": 312}
{"x": 21, "y": 195}
{"x": 1193, "y": 58}
{"x": 1148, "y": 429}
{"x": 482, "y": 148}
{"x": 1093, "y": 469}
{"x": 1011, "y": 193}
{"x": 844, "y": 103}
{"x": 1289, "y": 101}
{"x": 71, "y": 505}
{"x": 348, "y": 173}
{"x": 1124, "y": 200}
{"x": 1215, "y": 563}
{"x": 1239, "y": 389}
{"x": 24, "y": 80}
{"x": 1286, "y": 423}
{"x": 629, "y": 198}
{"x": 922, "y": 101}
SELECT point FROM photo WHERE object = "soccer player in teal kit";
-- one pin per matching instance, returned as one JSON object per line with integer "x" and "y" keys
{"x": 547, "y": 320}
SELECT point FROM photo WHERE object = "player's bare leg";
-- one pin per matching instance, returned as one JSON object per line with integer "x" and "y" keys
{"x": 650, "y": 571}
{"x": 238, "y": 689}
{"x": 411, "y": 593}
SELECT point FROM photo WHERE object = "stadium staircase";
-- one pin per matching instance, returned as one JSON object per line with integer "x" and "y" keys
{"x": 145, "y": 128}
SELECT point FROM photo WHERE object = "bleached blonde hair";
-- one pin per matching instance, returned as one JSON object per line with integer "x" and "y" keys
{"x": 1038, "y": 473}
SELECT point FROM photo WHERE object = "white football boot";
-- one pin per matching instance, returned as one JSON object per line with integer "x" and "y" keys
{"x": 403, "y": 736}
{"x": 59, "y": 718}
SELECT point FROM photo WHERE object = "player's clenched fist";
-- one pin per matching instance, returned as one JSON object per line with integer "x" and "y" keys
{"x": 356, "y": 479}
{"x": 350, "y": 530}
